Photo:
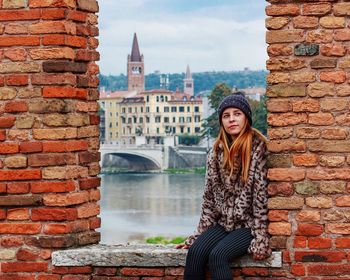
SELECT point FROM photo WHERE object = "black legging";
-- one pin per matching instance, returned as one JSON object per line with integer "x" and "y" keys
{"x": 218, "y": 248}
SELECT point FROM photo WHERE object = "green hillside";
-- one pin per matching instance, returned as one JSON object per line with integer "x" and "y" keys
{"x": 202, "y": 81}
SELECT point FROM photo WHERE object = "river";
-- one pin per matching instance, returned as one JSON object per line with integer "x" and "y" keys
{"x": 137, "y": 206}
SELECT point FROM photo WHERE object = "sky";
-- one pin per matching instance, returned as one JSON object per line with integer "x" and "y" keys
{"x": 207, "y": 35}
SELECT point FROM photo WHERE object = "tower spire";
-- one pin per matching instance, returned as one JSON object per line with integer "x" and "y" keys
{"x": 188, "y": 73}
{"x": 135, "y": 51}
{"x": 188, "y": 82}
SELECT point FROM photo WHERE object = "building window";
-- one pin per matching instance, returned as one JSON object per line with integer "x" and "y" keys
{"x": 123, "y": 130}
{"x": 147, "y": 130}
{"x": 103, "y": 104}
{"x": 157, "y": 119}
{"x": 129, "y": 110}
{"x": 110, "y": 124}
{"x": 147, "y": 119}
{"x": 141, "y": 120}
{"x": 166, "y": 98}
{"x": 135, "y": 119}
{"x": 174, "y": 119}
{"x": 157, "y": 130}
{"x": 147, "y": 98}
{"x": 141, "y": 109}
{"x": 181, "y": 129}
{"x": 157, "y": 109}
{"x": 197, "y": 129}
{"x": 135, "y": 109}
{"x": 173, "y": 109}
{"x": 174, "y": 129}
{"x": 188, "y": 130}
{"x": 181, "y": 109}
{"x": 147, "y": 109}
{"x": 188, "y": 109}
{"x": 110, "y": 135}
{"x": 123, "y": 120}
{"x": 157, "y": 98}
{"x": 166, "y": 119}
{"x": 197, "y": 118}
{"x": 181, "y": 119}
{"x": 110, "y": 114}
{"x": 196, "y": 109}
{"x": 116, "y": 114}
{"x": 123, "y": 110}
{"x": 161, "y": 98}
{"x": 116, "y": 124}
{"x": 129, "y": 120}
{"x": 166, "y": 109}
{"x": 189, "y": 119}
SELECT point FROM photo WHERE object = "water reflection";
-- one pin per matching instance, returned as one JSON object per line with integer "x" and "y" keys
{"x": 136, "y": 206}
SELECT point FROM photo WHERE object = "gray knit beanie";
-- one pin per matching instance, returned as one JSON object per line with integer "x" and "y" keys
{"x": 236, "y": 100}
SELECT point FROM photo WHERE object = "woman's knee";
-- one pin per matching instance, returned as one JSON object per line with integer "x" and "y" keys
{"x": 217, "y": 257}
{"x": 196, "y": 252}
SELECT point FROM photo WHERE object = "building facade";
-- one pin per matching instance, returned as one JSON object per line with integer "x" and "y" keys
{"x": 139, "y": 117}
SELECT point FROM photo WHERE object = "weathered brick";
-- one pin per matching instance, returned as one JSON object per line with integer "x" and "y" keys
{"x": 15, "y": 28}
{"x": 65, "y": 172}
{"x": 18, "y": 214}
{"x": 337, "y": 146}
{"x": 305, "y": 159}
{"x": 319, "y": 202}
{"x": 319, "y": 89}
{"x": 276, "y": 22}
{"x": 306, "y": 188}
{"x": 15, "y": 162}
{"x": 278, "y": 146}
{"x": 7, "y": 93}
{"x": 332, "y": 22}
{"x": 280, "y": 228}
{"x": 52, "y": 3}
{"x": 285, "y": 119}
{"x": 319, "y": 63}
{"x": 343, "y": 119}
{"x": 305, "y": 22}
{"x": 66, "y": 199}
{"x": 64, "y": 92}
{"x": 341, "y": 9}
{"x": 279, "y": 50}
{"x": 332, "y": 161}
{"x": 306, "y": 105}
{"x": 309, "y": 229}
{"x": 337, "y": 77}
{"x": 48, "y": 106}
{"x": 303, "y": 77}
{"x": 321, "y": 119}
{"x": 279, "y": 160}
{"x": 319, "y": 243}
{"x": 316, "y": 9}
{"x": 280, "y": 133}
{"x": 24, "y": 121}
{"x": 64, "y": 66}
{"x": 308, "y": 216}
{"x": 284, "y": 9}
{"x": 7, "y": 122}
{"x": 51, "y": 159}
{"x": 341, "y": 228}
{"x": 286, "y": 91}
{"x": 15, "y": 54}
{"x": 333, "y": 50}
{"x": 52, "y": 187}
{"x": 20, "y": 41}
{"x": 19, "y": 67}
{"x": 319, "y": 36}
{"x": 16, "y": 228}
{"x": 54, "y": 134}
{"x": 286, "y": 174}
{"x": 280, "y": 189}
{"x": 52, "y": 53}
{"x": 332, "y": 187}
{"x": 281, "y": 64}
{"x": 52, "y": 14}
{"x": 332, "y": 104}
{"x": 54, "y": 79}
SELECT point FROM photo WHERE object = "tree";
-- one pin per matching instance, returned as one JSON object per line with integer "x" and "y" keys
{"x": 260, "y": 116}
{"x": 211, "y": 125}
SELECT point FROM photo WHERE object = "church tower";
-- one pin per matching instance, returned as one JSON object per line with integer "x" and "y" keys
{"x": 188, "y": 82}
{"x": 136, "y": 68}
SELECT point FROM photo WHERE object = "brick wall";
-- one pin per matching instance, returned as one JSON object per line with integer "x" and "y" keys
{"x": 48, "y": 132}
{"x": 309, "y": 122}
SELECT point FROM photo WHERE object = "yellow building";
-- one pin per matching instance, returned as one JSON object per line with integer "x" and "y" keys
{"x": 137, "y": 116}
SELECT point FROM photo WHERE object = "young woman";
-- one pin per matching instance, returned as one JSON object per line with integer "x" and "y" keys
{"x": 233, "y": 221}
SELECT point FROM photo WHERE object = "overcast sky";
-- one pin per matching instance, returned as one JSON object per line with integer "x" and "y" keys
{"x": 209, "y": 35}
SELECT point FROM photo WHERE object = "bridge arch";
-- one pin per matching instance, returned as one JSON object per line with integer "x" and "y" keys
{"x": 137, "y": 162}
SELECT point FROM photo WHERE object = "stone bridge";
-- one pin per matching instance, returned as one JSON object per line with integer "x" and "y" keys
{"x": 139, "y": 157}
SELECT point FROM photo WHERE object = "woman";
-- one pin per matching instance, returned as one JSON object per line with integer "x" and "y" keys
{"x": 233, "y": 221}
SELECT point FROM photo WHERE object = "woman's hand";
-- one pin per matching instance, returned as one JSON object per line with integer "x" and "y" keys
{"x": 259, "y": 257}
{"x": 182, "y": 246}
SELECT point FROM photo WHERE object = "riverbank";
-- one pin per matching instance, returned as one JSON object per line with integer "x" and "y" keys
{"x": 197, "y": 170}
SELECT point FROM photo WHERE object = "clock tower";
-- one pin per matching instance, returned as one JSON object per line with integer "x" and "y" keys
{"x": 136, "y": 68}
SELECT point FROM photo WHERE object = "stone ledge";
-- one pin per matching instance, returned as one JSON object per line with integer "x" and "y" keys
{"x": 142, "y": 256}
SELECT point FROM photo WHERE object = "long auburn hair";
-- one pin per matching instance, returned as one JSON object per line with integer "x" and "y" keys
{"x": 239, "y": 148}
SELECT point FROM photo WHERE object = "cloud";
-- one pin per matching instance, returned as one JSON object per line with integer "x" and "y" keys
{"x": 207, "y": 38}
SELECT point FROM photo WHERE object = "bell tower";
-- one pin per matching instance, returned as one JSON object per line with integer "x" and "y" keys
{"x": 188, "y": 82}
{"x": 136, "y": 68}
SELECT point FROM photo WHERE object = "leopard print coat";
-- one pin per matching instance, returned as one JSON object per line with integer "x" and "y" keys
{"x": 233, "y": 204}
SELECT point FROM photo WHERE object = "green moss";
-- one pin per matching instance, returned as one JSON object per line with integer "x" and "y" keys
{"x": 163, "y": 240}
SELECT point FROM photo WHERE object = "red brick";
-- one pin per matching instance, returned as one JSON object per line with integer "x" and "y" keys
{"x": 19, "y": 40}
{"x": 52, "y": 3}
{"x": 14, "y": 228}
{"x": 309, "y": 256}
{"x": 31, "y": 147}
{"x": 278, "y": 215}
{"x": 54, "y": 187}
{"x": 88, "y": 183}
{"x": 309, "y": 229}
{"x": 300, "y": 241}
{"x": 27, "y": 255}
{"x": 337, "y": 77}
{"x": 343, "y": 242}
{"x": 255, "y": 271}
{"x": 54, "y": 39}
{"x": 17, "y": 188}
{"x": 54, "y": 214}
{"x": 2, "y": 214}
{"x": 76, "y": 41}
{"x": 10, "y": 148}
{"x": 48, "y": 277}
{"x": 7, "y": 122}
{"x": 24, "y": 267}
{"x": 16, "y": 54}
{"x": 18, "y": 214}
{"x": 16, "y": 107}
{"x": 64, "y": 92}
{"x": 283, "y": 9}
{"x": 11, "y": 241}
{"x": 319, "y": 243}
{"x": 298, "y": 269}
{"x": 95, "y": 222}
{"x": 65, "y": 146}
{"x": 2, "y": 135}
{"x": 17, "y": 276}
{"x": 107, "y": 271}
{"x": 20, "y": 15}
{"x": 77, "y": 16}
{"x": 53, "y": 14}
{"x": 11, "y": 175}
{"x": 17, "y": 80}
{"x": 142, "y": 271}
{"x": 94, "y": 120}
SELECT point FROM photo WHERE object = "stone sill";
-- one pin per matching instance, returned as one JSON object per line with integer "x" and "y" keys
{"x": 142, "y": 256}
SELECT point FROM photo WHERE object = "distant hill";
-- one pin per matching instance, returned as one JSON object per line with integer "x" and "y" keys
{"x": 202, "y": 81}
